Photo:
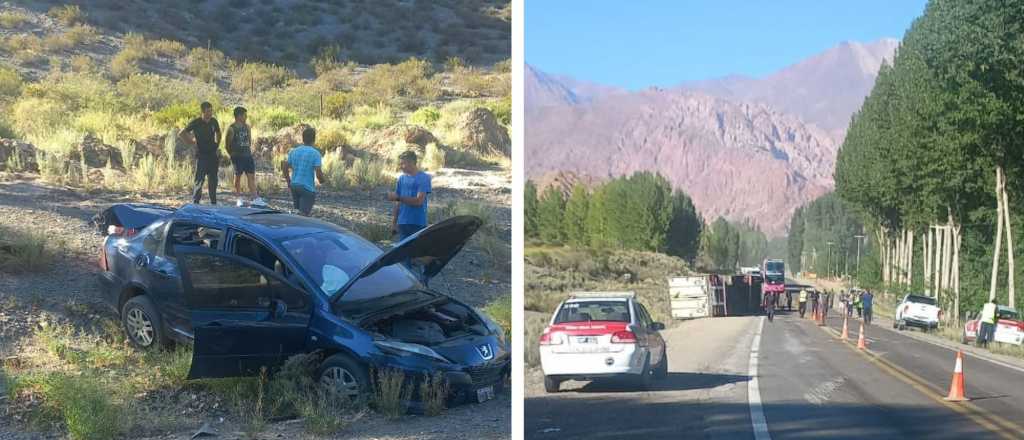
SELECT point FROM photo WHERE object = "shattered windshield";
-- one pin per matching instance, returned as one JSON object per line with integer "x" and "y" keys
{"x": 331, "y": 259}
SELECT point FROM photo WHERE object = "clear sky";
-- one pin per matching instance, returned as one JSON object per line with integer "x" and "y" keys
{"x": 640, "y": 43}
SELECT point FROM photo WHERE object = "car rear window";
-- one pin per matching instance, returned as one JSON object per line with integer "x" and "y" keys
{"x": 584, "y": 311}
{"x": 921, "y": 300}
{"x": 1009, "y": 314}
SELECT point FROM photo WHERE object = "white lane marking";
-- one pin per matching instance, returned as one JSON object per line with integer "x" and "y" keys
{"x": 757, "y": 420}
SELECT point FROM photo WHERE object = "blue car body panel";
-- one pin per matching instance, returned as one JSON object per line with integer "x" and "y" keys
{"x": 230, "y": 342}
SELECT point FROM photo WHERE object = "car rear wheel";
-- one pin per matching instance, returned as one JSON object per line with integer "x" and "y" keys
{"x": 661, "y": 371}
{"x": 142, "y": 324}
{"x": 644, "y": 381}
{"x": 551, "y": 384}
{"x": 902, "y": 325}
{"x": 341, "y": 376}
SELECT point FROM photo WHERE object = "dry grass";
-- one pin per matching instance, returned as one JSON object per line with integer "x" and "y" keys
{"x": 391, "y": 393}
{"x": 25, "y": 250}
{"x": 11, "y": 19}
{"x": 433, "y": 394}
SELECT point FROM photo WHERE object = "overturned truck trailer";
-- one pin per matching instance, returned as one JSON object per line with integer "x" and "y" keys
{"x": 701, "y": 296}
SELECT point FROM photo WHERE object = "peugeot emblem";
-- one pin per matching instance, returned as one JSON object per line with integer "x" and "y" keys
{"x": 485, "y": 351}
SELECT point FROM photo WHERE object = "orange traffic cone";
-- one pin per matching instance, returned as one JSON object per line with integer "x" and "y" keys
{"x": 956, "y": 388}
{"x": 846, "y": 333}
{"x": 861, "y": 344}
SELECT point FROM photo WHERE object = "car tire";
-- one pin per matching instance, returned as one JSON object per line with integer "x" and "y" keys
{"x": 661, "y": 371}
{"x": 963, "y": 338}
{"x": 551, "y": 384}
{"x": 340, "y": 374}
{"x": 643, "y": 382}
{"x": 142, "y": 324}
{"x": 902, "y": 325}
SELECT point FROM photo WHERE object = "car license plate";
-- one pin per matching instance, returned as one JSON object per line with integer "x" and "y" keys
{"x": 586, "y": 340}
{"x": 484, "y": 394}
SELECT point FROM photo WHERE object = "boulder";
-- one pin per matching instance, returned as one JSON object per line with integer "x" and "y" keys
{"x": 157, "y": 146}
{"x": 95, "y": 154}
{"x": 481, "y": 133}
{"x": 20, "y": 153}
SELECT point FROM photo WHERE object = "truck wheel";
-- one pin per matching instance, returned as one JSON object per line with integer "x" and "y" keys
{"x": 142, "y": 324}
{"x": 551, "y": 384}
{"x": 902, "y": 325}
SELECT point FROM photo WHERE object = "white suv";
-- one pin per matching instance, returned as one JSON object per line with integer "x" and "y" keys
{"x": 602, "y": 334}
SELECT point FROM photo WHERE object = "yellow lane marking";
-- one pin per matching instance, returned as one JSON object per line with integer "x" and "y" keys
{"x": 992, "y": 422}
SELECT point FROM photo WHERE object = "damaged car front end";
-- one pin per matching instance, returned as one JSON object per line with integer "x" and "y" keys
{"x": 251, "y": 288}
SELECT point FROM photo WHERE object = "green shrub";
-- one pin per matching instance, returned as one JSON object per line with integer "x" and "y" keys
{"x": 67, "y": 14}
{"x": 23, "y": 42}
{"x": 337, "y": 104}
{"x": 86, "y": 406}
{"x": 502, "y": 109}
{"x": 412, "y": 79}
{"x": 331, "y": 135}
{"x": 81, "y": 34}
{"x": 150, "y": 91}
{"x": 433, "y": 394}
{"x": 126, "y": 63}
{"x": 12, "y": 19}
{"x": 204, "y": 63}
{"x": 433, "y": 158}
{"x": 500, "y": 310}
{"x": 261, "y": 76}
{"x": 534, "y": 326}
{"x": 273, "y": 118}
{"x": 425, "y": 116}
{"x": 167, "y": 48}
{"x": 333, "y": 166}
{"x": 504, "y": 66}
{"x": 75, "y": 91}
{"x": 31, "y": 116}
{"x": 27, "y": 250}
{"x": 10, "y": 83}
{"x": 177, "y": 115}
{"x": 371, "y": 117}
{"x": 391, "y": 393}
{"x": 298, "y": 96}
{"x": 82, "y": 64}
{"x": 370, "y": 173}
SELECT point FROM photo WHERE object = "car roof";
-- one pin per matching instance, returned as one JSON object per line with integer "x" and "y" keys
{"x": 600, "y": 298}
{"x": 263, "y": 222}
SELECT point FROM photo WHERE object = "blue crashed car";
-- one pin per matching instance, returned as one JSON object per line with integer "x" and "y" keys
{"x": 251, "y": 287}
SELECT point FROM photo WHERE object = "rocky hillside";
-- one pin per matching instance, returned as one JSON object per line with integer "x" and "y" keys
{"x": 736, "y": 160}
{"x": 290, "y": 32}
{"x": 824, "y": 90}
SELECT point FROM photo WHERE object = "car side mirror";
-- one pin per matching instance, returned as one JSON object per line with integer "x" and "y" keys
{"x": 657, "y": 326}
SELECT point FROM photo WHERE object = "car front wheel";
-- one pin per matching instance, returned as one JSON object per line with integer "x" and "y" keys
{"x": 341, "y": 376}
{"x": 142, "y": 324}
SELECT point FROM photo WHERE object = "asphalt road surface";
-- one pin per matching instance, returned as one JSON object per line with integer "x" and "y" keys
{"x": 810, "y": 385}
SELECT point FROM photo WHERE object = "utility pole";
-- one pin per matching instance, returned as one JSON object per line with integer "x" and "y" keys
{"x": 828, "y": 267}
{"x": 859, "y": 238}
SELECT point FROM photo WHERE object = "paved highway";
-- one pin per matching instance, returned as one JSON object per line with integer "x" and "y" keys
{"x": 810, "y": 385}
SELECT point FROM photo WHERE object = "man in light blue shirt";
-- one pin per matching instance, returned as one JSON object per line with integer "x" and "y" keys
{"x": 304, "y": 160}
{"x": 411, "y": 196}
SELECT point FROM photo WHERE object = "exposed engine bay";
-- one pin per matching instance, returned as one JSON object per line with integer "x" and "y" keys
{"x": 430, "y": 325}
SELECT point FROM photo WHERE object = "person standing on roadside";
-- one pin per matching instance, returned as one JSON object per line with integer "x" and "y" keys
{"x": 803, "y": 302}
{"x": 866, "y": 300}
{"x": 204, "y": 134}
{"x": 988, "y": 323}
{"x": 769, "y": 305}
{"x": 857, "y": 298}
{"x": 305, "y": 160}
{"x": 238, "y": 141}
{"x": 411, "y": 196}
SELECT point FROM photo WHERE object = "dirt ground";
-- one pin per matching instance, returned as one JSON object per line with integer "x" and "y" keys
{"x": 67, "y": 293}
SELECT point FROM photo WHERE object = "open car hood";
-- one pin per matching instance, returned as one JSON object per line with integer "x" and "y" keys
{"x": 432, "y": 247}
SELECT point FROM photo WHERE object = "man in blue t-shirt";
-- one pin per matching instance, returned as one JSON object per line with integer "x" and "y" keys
{"x": 305, "y": 161}
{"x": 411, "y": 195}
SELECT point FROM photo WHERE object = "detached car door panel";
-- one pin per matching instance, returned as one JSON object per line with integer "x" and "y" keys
{"x": 244, "y": 316}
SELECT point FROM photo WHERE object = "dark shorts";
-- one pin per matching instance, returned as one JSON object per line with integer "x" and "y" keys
{"x": 303, "y": 199}
{"x": 243, "y": 165}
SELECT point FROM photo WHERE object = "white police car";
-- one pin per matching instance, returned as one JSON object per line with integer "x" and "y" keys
{"x": 595, "y": 335}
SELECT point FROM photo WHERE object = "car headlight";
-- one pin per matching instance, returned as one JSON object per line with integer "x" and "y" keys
{"x": 493, "y": 327}
{"x": 407, "y": 348}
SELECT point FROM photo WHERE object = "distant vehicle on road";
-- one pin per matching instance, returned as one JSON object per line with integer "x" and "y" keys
{"x": 1009, "y": 327}
{"x": 774, "y": 277}
{"x": 694, "y": 296}
{"x": 917, "y": 311}
{"x": 597, "y": 335}
{"x": 753, "y": 271}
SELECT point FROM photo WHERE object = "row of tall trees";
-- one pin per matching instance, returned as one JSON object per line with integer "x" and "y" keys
{"x": 935, "y": 157}
{"x": 726, "y": 245}
{"x": 638, "y": 212}
{"x": 824, "y": 236}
